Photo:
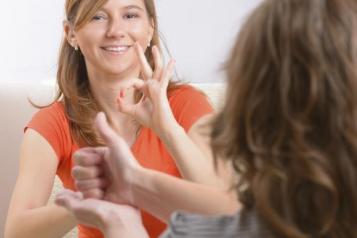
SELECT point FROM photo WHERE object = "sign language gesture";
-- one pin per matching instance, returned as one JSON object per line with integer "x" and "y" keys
{"x": 114, "y": 220}
{"x": 153, "y": 110}
{"x": 105, "y": 172}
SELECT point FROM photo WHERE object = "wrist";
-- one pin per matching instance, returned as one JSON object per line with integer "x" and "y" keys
{"x": 141, "y": 185}
{"x": 114, "y": 232}
{"x": 111, "y": 223}
{"x": 133, "y": 180}
{"x": 170, "y": 132}
{"x": 166, "y": 120}
{"x": 122, "y": 221}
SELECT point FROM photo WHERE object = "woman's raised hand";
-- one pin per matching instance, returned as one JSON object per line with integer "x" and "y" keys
{"x": 153, "y": 110}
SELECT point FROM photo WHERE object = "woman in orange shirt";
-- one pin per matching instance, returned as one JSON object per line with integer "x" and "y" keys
{"x": 289, "y": 127}
{"x": 109, "y": 48}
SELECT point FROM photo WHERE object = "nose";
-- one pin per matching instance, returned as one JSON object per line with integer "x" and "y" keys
{"x": 116, "y": 29}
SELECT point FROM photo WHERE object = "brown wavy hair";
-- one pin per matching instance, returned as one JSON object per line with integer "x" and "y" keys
{"x": 289, "y": 124}
{"x": 72, "y": 79}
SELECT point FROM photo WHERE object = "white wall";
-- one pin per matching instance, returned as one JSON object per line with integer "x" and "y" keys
{"x": 30, "y": 37}
{"x": 199, "y": 34}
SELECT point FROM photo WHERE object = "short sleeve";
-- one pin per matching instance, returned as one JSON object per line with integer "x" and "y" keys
{"x": 243, "y": 224}
{"x": 188, "y": 105}
{"x": 185, "y": 225}
{"x": 51, "y": 123}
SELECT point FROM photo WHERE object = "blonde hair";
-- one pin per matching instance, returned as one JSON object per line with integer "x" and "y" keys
{"x": 73, "y": 85}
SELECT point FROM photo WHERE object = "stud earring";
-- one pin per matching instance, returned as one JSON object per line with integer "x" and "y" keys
{"x": 74, "y": 45}
{"x": 149, "y": 44}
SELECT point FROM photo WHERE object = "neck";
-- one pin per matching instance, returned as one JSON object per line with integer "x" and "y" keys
{"x": 105, "y": 89}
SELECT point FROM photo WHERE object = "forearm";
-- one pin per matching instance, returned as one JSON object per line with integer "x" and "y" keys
{"x": 49, "y": 221}
{"x": 114, "y": 231}
{"x": 161, "y": 194}
{"x": 193, "y": 164}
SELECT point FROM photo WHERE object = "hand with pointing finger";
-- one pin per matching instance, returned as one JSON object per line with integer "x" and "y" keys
{"x": 153, "y": 110}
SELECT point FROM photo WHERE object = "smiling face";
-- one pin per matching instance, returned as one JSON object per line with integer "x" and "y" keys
{"x": 107, "y": 40}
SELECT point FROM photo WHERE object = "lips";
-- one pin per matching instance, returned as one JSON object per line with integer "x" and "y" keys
{"x": 118, "y": 49}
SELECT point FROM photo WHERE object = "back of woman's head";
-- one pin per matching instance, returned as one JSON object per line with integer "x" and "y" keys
{"x": 289, "y": 124}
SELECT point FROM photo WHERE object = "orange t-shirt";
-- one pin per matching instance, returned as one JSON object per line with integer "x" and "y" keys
{"x": 187, "y": 104}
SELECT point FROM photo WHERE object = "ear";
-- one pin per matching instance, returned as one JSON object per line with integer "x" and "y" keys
{"x": 70, "y": 33}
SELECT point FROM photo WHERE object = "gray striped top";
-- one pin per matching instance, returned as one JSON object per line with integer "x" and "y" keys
{"x": 244, "y": 224}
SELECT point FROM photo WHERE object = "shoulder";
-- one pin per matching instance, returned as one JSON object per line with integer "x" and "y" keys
{"x": 243, "y": 224}
{"x": 188, "y": 104}
{"x": 184, "y": 91}
{"x": 52, "y": 114}
{"x": 52, "y": 124}
{"x": 56, "y": 108}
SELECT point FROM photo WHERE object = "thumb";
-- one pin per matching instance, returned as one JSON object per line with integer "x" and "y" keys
{"x": 115, "y": 143}
{"x": 106, "y": 132}
{"x": 68, "y": 199}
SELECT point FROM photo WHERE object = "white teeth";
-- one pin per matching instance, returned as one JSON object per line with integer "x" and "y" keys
{"x": 118, "y": 49}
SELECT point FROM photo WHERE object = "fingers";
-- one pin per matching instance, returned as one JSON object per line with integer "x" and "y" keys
{"x": 68, "y": 199}
{"x": 89, "y": 172}
{"x": 87, "y": 157}
{"x": 158, "y": 63}
{"x": 86, "y": 211}
{"x": 95, "y": 193}
{"x": 167, "y": 74}
{"x": 92, "y": 188}
{"x": 145, "y": 66}
{"x": 159, "y": 73}
{"x": 88, "y": 184}
{"x": 126, "y": 108}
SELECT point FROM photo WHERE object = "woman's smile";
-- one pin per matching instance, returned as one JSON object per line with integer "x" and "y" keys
{"x": 116, "y": 49}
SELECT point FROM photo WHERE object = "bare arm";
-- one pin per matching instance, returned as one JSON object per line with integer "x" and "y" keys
{"x": 156, "y": 192}
{"x": 38, "y": 163}
{"x": 192, "y": 152}
{"x": 161, "y": 194}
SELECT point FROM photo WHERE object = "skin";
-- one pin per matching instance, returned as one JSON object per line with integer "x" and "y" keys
{"x": 112, "y": 219}
{"x": 118, "y": 23}
{"x": 129, "y": 183}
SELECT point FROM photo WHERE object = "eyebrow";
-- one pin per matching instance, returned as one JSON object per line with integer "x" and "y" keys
{"x": 126, "y": 8}
{"x": 134, "y": 7}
